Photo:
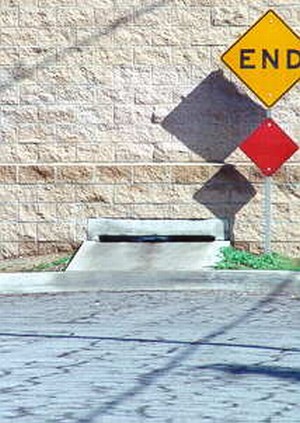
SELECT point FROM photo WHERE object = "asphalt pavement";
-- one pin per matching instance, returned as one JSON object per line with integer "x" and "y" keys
{"x": 209, "y": 355}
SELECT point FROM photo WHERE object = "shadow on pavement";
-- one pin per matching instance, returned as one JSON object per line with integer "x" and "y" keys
{"x": 286, "y": 373}
{"x": 150, "y": 378}
{"x": 146, "y": 341}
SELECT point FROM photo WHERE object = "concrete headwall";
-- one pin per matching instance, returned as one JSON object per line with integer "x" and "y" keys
{"x": 122, "y": 108}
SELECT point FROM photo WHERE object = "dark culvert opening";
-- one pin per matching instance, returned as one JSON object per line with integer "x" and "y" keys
{"x": 156, "y": 238}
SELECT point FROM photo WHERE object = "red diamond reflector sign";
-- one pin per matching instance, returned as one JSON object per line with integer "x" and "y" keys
{"x": 269, "y": 147}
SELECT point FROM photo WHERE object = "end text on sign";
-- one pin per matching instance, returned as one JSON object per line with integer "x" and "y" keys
{"x": 251, "y": 58}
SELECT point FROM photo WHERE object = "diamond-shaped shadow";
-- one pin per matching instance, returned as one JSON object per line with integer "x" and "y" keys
{"x": 227, "y": 192}
{"x": 214, "y": 118}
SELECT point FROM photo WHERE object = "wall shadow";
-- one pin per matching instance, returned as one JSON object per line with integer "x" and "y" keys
{"x": 225, "y": 194}
{"x": 214, "y": 118}
{"x": 22, "y": 71}
{"x": 212, "y": 121}
{"x": 283, "y": 373}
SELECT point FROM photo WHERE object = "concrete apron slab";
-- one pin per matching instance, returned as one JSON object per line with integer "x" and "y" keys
{"x": 95, "y": 254}
{"x": 254, "y": 282}
{"x": 124, "y": 256}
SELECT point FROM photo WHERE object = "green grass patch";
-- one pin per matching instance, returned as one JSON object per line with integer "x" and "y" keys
{"x": 242, "y": 260}
{"x": 61, "y": 263}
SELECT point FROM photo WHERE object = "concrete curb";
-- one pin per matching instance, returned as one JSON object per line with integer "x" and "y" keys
{"x": 257, "y": 282}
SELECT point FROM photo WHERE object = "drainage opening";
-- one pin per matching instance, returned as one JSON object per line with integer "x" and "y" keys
{"x": 156, "y": 238}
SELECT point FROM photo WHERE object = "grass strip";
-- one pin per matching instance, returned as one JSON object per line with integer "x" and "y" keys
{"x": 234, "y": 259}
{"x": 62, "y": 262}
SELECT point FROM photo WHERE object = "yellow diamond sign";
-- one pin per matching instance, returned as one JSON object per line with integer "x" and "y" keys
{"x": 266, "y": 58}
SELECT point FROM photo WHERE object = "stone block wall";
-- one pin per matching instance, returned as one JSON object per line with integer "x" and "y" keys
{"x": 122, "y": 108}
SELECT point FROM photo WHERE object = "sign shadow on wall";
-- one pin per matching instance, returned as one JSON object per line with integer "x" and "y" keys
{"x": 212, "y": 121}
{"x": 225, "y": 194}
{"x": 214, "y": 118}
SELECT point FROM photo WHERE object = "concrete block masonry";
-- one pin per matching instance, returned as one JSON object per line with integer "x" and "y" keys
{"x": 120, "y": 109}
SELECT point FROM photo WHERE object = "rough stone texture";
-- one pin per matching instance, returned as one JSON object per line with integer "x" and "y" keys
{"x": 35, "y": 174}
{"x": 124, "y": 109}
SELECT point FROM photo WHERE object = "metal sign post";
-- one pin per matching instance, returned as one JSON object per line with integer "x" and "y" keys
{"x": 267, "y": 214}
{"x": 268, "y": 147}
{"x": 267, "y": 209}
{"x": 266, "y": 59}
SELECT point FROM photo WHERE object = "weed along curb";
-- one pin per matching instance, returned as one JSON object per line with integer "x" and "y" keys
{"x": 256, "y": 282}
{"x": 234, "y": 259}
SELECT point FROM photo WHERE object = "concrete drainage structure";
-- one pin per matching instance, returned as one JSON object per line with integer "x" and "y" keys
{"x": 146, "y": 245}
